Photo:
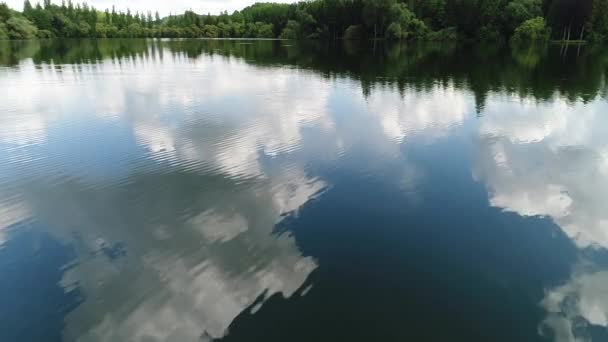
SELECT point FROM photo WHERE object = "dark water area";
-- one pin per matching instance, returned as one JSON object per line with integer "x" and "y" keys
{"x": 235, "y": 190}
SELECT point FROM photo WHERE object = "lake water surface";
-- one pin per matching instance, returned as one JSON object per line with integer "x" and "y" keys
{"x": 194, "y": 190}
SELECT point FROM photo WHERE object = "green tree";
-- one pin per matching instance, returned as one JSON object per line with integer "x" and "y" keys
{"x": 84, "y": 29}
{"x": 237, "y": 29}
{"x": 404, "y": 24}
{"x": 435, "y": 10}
{"x": 5, "y": 12}
{"x": 134, "y": 30}
{"x": 211, "y": 31}
{"x": 27, "y": 8}
{"x": 265, "y": 30}
{"x": 307, "y": 24}
{"x": 395, "y": 31}
{"x": 598, "y": 22}
{"x": 326, "y": 19}
{"x": 518, "y": 11}
{"x": 20, "y": 28}
{"x": 375, "y": 14}
{"x": 3, "y": 32}
{"x": 532, "y": 31}
{"x": 291, "y": 31}
{"x": 45, "y": 34}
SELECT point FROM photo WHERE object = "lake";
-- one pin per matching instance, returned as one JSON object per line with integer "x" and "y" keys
{"x": 234, "y": 190}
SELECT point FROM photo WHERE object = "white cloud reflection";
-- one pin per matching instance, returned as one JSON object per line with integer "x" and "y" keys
{"x": 197, "y": 166}
{"x": 198, "y": 238}
{"x": 432, "y": 113}
{"x": 573, "y": 307}
{"x": 208, "y": 150}
{"x": 549, "y": 159}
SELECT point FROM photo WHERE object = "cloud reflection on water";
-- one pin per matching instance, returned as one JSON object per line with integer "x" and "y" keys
{"x": 549, "y": 159}
{"x": 203, "y": 157}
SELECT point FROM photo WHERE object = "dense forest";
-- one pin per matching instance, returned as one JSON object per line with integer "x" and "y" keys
{"x": 487, "y": 20}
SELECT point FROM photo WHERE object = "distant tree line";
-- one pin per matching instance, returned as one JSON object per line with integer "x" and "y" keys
{"x": 489, "y": 20}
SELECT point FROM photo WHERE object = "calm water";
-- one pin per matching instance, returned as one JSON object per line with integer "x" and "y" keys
{"x": 197, "y": 190}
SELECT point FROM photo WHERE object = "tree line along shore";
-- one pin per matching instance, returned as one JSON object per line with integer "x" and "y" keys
{"x": 439, "y": 20}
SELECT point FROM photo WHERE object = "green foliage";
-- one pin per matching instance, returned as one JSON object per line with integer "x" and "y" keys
{"x": 489, "y": 33}
{"x": 134, "y": 30}
{"x": 259, "y": 30}
{"x": 418, "y": 29}
{"x": 45, "y": 34}
{"x": 490, "y": 12}
{"x": 3, "y": 32}
{"x": 436, "y": 10}
{"x": 446, "y": 34}
{"x": 84, "y": 29}
{"x": 399, "y": 13}
{"x": 225, "y": 30}
{"x": 518, "y": 11}
{"x": 374, "y": 14}
{"x": 211, "y": 31}
{"x": 104, "y": 30}
{"x": 532, "y": 31}
{"x": 404, "y": 24}
{"x": 5, "y": 12}
{"x": 598, "y": 22}
{"x": 268, "y": 13}
{"x": 395, "y": 31}
{"x": 20, "y": 28}
{"x": 486, "y": 20}
{"x": 291, "y": 31}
